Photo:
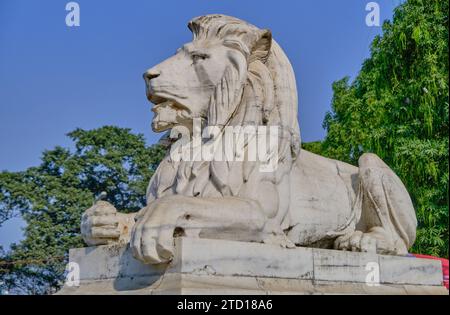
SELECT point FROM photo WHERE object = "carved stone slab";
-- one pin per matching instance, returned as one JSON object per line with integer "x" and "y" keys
{"x": 203, "y": 266}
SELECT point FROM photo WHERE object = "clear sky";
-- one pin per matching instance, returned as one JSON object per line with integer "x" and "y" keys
{"x": 54, "y": 79}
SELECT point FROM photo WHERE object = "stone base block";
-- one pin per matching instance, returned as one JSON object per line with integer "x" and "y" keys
{"x": 203, "y": 266}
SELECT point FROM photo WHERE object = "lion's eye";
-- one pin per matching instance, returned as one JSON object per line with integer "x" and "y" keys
{"x": 199, "y": 56}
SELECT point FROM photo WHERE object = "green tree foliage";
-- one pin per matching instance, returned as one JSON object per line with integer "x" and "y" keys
{"x": 52, "y": 196}
{"x": 397, "y": 107}
{"x": 314, "y": 147}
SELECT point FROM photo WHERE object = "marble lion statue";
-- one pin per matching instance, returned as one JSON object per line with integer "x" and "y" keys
{"x": 235, "y": 74}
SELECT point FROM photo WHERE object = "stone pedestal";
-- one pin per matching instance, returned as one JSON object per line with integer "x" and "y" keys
{"x": 203, "y": 266}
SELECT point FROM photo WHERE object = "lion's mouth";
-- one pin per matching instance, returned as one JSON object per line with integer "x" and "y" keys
{"x": 160, "y": 101}
{"x": 167, "y": 112}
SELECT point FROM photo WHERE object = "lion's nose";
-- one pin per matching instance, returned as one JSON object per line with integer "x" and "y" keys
{"x": 148, "y": 75}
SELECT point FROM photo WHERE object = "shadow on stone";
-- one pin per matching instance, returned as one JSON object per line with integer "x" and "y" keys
{"x": 134, "y": 275}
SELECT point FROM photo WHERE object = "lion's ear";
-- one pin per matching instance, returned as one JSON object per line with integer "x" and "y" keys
{"x": 262, "y": 46}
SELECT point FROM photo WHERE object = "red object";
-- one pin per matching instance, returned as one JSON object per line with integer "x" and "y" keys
{"x": 444, "y": 266}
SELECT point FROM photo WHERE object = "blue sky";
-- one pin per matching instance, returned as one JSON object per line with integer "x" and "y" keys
{"x": 54, "y": 79}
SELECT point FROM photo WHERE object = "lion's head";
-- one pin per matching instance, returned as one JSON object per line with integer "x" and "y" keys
{"x": 231, "y": 74}
{"x": 183, "y": 86}
{"x": 208, "y": 78}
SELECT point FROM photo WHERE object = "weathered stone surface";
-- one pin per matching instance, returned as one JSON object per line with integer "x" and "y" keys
{"x": 419, "y": 271}
{"x": 341, "y": 266}
{"x": 218, "y": 257}
{"x": 112, "y": 261}
{"x": 203, "y": 266}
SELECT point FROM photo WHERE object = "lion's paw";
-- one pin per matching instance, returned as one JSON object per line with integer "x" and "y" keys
{"x": 356, "y": 241}
{"x": 152, "y": 240}
{"x": 279, "y": 239}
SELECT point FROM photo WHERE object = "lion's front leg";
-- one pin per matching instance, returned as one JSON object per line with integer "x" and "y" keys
{"x": 225, "y": 218}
